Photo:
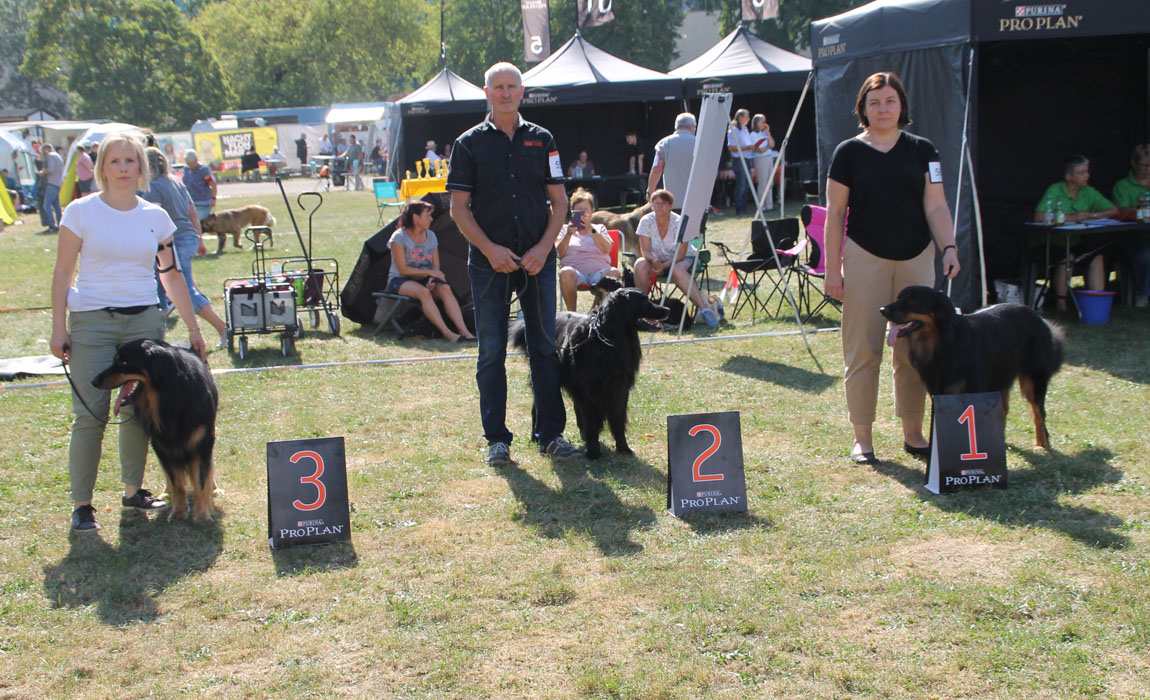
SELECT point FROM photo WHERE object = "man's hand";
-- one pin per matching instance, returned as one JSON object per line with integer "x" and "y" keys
{"x": 502, "y": 259}
{"x": 534, "y": 260}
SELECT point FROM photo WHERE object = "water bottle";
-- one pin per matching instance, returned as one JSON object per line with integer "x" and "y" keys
{"x": 1048, "y": 216}
{"x": 1144, "y": 207}
{"x": 1059, "y": 215}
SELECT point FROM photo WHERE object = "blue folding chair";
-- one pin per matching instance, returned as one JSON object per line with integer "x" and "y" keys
{"x": 386, "y": 195}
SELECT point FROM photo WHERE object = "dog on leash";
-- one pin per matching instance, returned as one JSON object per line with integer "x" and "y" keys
{"x": 234, "y": 221}
{"x": 624, "y": 223}
{"x": 599, "y": 356}
{"x": 175, "y": 400}
{"x": 979, "y": 352}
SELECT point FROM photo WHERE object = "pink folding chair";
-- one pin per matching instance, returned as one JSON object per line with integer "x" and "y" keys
{"x": 814, "y": 218}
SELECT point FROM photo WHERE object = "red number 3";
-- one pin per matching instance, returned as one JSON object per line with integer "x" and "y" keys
{"x": 321, "y": 496}
{"x": 696, "y": 474}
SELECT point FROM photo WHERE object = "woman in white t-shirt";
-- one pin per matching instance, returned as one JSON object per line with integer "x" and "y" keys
{"x": 116, "y": 238}
{"x": 657, "y": 233}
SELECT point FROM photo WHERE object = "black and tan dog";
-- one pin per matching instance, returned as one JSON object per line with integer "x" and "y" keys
{"x": 175, "y": 400}
{"x": 983, "y": 351}
{"x": 599, "y": 355}
{"x": 234, "y": 221}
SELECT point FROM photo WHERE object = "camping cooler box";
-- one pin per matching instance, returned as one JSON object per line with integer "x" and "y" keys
{"x": 279, "y": 305}
{"x": 246, "y": 306}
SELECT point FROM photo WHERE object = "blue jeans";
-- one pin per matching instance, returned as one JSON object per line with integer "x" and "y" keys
{"x": 51, "y": 206}
{"x": 491, "y": 293}
{"x": 1138, "y": 250}
{"x": 742, "y": 185}
{"x": 203, "y": 209}
{"x": 186, "y": 247}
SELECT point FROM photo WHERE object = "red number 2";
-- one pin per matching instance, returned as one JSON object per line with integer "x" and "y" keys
{"x": 706, "y": 428}
{"x": 972, "y": 433}
{"x": 313, "y": 480}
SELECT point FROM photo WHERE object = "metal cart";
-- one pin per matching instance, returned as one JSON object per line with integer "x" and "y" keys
{"x": 260, "y": 304}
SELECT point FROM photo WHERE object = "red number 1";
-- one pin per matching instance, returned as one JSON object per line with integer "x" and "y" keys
{"x": 972, "y": 433}
{"x": 705, "y": 428}
{"x": 313, "y": 480}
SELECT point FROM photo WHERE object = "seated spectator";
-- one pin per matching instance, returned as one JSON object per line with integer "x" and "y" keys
{"x": 415, "y": 270}
{"x": 1080, "y": 202}
{"x": 378, "y": 157}
{"x": 13, "y": 187}
{"x": 657, "y": 234}
{"x": 584, "y": 249}
{"x": 250, "y": 165}
{"x": 275, "y": 161}
{"x": 581, "y": 167}
{"x": 1136, "y": 246}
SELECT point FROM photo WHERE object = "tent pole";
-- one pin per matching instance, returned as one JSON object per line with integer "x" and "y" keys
{"x": 962, "y": 152}
{"x": 977, "y": 223}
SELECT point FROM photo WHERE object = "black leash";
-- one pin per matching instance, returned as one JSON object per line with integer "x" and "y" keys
{"x": 85, "y": 403}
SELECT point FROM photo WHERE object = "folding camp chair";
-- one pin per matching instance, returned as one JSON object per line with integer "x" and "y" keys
{"x": 386, "y": 196}
{"x": 758, "y": 270}
{"x": 390, "y": 308}
{"x": 814, "y": 220}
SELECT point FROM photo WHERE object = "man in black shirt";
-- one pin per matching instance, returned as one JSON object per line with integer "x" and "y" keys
{"x": 507, "y": 198}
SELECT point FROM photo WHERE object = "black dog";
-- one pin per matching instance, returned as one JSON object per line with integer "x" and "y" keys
{"x": 599, "y": 356}
{"x": 983, "y": 351}
{"x": 175, "y": 400}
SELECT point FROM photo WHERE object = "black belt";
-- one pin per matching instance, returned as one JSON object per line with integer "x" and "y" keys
{"x": 127, "y": 310}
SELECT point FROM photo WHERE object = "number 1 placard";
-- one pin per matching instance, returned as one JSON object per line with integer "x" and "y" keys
{"x": 307, "y": 492}
{"x": 705, "y": 470}
{"x": 968, "y": 443}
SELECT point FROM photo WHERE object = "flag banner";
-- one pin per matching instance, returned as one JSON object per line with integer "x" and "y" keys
{"x": 760, "y": 9}
{"x": 536, "y": 30}
{"x": 592, "y": 13}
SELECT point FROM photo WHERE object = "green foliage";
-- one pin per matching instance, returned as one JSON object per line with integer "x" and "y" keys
{"x": 791, "y": 30}
{"x": 18, "y": 87}
{"x": 135, "y": 61}
{"x": 484, "y": 32}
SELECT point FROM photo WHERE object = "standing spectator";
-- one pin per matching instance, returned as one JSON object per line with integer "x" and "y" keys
{"x": 354, "y": 155}
{"x": 171, "y": 194}
{"x": 325, "y": 147}
{"x": 200, "y": 183}
{"x": 742, "y": 148}
{"x": 764, "y": 160}
{"x": 250, "y": 165}
{"x": 507, "y": 198}
{"x": 891, "y": 181}
{"x": 673, "y": 157}
{"x": 301, "y": 150}
{"x": 636, "y": 153}
{"x": 116, "y": 238}
{"x": 1136, "y": 246}
{"x": 84, "y": 172}
{"x": 53, "y": 172}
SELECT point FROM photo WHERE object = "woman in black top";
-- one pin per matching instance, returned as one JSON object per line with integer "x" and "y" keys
{"x": 891, "y": 181}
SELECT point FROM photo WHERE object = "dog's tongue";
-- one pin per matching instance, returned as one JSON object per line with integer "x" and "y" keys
{"x": 892, "y": 334}
{"x": 124, "y": 392}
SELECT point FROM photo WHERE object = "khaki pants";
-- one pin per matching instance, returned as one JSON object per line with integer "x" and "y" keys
{"x": 95, "y": 336}
{"x": 872, "y": 282}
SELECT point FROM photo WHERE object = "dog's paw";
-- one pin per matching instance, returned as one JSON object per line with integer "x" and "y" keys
{"x": 177, "y": 514}
{"x": 624, "y": 450}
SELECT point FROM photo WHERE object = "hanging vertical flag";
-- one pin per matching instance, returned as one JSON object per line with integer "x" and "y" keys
{"x": 760, "y": 9}
{"x": 536, "y": 30}
{"x": 592, "y": 13}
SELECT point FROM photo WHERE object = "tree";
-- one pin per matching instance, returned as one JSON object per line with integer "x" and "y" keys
{"x": 17, "y": 87}
{"x": 791, "y": 30}
{"x": 130, "y": 60}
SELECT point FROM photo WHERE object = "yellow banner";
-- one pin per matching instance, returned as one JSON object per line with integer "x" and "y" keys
{"x": 221, "y": 150}
{"x": 7, "y": 209}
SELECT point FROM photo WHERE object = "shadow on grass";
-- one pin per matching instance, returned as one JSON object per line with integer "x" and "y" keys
{"x": 1117, "y": 348}
{"x": 583, "y": 504}
{"x": 777, "y": 373}
{"x": 294, "y": 561}
{"x": 722, "y": 523}
{"x": 125, "y": 581}
{"x": 1031, "y": 498}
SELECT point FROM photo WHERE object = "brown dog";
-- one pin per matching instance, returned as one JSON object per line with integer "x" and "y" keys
{"x": 624, "y": 223}
{"x": 234, "y": 221}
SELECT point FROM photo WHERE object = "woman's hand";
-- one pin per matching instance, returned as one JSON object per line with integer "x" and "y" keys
{"x": 60, "y": 345}
{"x": 202, "y": 249}
{"x": 950, "y": 264}
{"x": 196, "y": 340}
{"x": 833, "y": 284}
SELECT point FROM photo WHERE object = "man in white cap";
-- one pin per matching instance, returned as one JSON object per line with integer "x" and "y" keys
{"x": 431, "y": 154}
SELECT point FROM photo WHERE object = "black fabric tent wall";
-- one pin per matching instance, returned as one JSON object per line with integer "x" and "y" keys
{"x": 1048, "y": 80}
{"x": 439, "y": 110}
{"x": 370, "y": 271}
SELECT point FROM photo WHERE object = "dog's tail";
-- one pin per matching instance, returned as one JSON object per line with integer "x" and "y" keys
{"x": 271, "y": 222}
{"x": 518, "y": 334}
{"x": 1058, "y": 340}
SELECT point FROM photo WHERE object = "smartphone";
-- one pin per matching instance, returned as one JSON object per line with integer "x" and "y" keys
{"x": 577, "y": 218}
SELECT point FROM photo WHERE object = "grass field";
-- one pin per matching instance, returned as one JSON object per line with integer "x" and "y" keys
{"x": 571, "y": 580}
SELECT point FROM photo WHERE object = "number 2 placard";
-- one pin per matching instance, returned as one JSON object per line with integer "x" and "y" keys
{"x": 968, "y": 443}
{"x": 307, "y": 492}
{"x": 705, "y": 464}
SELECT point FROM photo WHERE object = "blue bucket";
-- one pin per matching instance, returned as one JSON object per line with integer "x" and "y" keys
{"x": 1095, "y": 306}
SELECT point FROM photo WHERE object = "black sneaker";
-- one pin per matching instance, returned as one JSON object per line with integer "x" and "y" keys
{"x": 143, "y": 501}
{"x": 84, "y": 519}
{"x": 498, "y": 454}
{"x": 560, "y": 448}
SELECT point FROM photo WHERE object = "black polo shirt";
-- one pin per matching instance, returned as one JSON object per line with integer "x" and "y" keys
{"x": 507, "y": 180}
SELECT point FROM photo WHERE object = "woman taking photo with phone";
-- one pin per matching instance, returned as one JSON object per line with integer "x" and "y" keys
{"x": 583, "y": 248}
{"x": 116, "y": 239}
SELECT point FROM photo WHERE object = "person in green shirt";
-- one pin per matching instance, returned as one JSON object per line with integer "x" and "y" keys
{"x": 1080, "y": 202}
{"x": 1136, "y": 246}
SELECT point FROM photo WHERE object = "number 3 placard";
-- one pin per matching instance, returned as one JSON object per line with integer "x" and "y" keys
{"x": 968, "y": 443}
{"x": 705, "y": 464}
{"x": 307, "y": 492}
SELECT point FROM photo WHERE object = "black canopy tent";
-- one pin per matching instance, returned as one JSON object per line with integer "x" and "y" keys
{"x": 370, "y": 272}
{"x": 1047, "y": 80}
{"x": 439, "y": 110}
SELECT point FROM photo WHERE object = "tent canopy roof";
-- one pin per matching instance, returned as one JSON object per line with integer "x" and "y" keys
{"x": 741, "y": 54}
{"x": 446, "y": 86}
{"x": 581, "y": 72}
{"x": 359, "y": 112}
{"x": 16, "y": 143}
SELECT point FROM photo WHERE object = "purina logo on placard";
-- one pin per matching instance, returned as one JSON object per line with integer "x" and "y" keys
{"x": 1038, "y": 18}
{"x": 968, "y": 443}
{"x": 705, "y": 464}
{"x": 538, "y": 96}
